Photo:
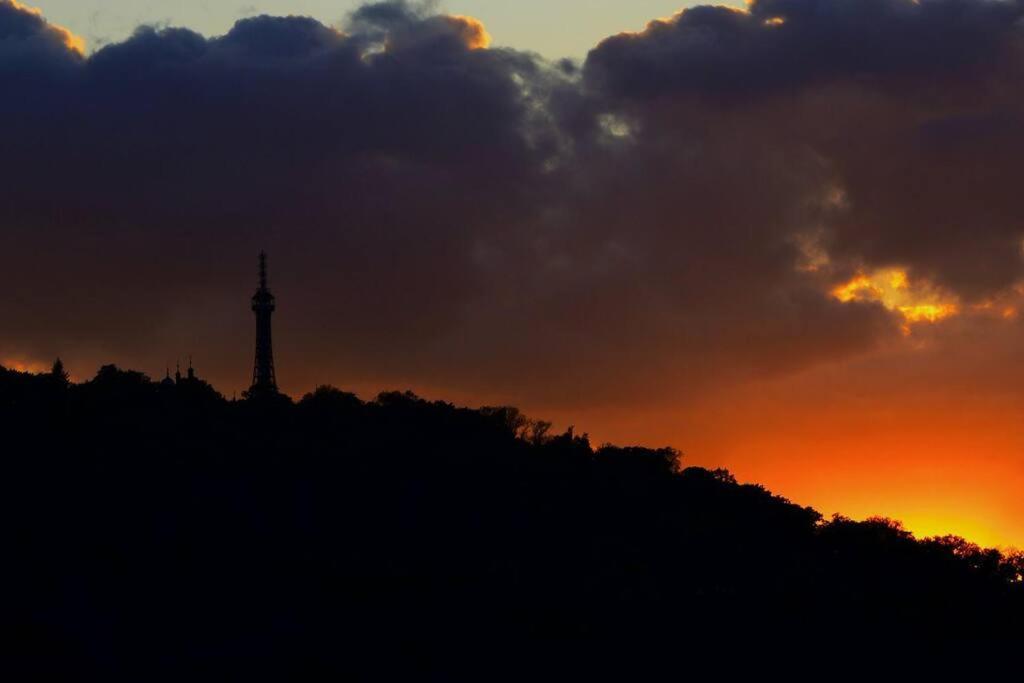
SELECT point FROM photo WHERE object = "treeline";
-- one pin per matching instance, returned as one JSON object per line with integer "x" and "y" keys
{"x": 161, "y": 529}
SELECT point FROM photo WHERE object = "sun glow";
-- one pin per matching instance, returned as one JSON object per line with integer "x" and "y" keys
{"x": 917, "y": 302}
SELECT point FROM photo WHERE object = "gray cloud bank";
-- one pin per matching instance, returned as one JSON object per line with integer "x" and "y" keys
{"x": 487, "y": 221}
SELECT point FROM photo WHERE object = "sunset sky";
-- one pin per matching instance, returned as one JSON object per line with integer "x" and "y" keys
{"x": 563, "y": 28}
{"x": 785, "y": 238}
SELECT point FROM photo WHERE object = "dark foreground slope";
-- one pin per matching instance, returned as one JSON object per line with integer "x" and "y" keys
{"x": 162, "y": 532}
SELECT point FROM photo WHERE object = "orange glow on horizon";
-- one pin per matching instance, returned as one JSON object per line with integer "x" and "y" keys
{"x": 24, "y": 365}
{"x": 925, "y": 433}
{"x": 942, "y": 464}
{"x": 904, "y": 436}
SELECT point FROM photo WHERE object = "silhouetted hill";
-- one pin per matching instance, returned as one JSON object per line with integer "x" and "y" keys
{"x": 161, "y": 531}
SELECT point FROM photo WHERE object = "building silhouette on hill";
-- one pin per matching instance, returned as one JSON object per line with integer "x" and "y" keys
{"x": 178, "y": 379}
{"x": 264, "y": 379}
{"x": 189, "y": 380}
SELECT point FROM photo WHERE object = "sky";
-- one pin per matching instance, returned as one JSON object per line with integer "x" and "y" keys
{"x": 566, "y": 28}
{"x": 785, "y": 239}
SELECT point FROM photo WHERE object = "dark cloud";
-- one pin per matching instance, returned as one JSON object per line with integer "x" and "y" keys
{"x": 913, "y": 107}
{"x": 780, "y": 46}
{"x": 33, "y": 54}
{"x": 27, "y": 37}
{"x": 480, "y": 220}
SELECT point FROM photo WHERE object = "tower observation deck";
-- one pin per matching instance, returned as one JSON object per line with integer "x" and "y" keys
{"x": 264, "y": 380}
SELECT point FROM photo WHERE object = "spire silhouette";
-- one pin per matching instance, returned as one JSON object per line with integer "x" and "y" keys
{"x": 264, "y": 380}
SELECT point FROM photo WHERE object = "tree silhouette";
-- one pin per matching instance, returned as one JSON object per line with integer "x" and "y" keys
{"x": 59, "y": 374}
{"x": 162, "y": 531}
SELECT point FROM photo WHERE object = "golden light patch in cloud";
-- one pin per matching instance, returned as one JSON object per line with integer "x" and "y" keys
{"x": 858, "y": 289}
{"x": 472, "y": 31}
{"x": 928, "y": 312}
{"x": 70, "y": 40}
{"x": 917, "y": 302}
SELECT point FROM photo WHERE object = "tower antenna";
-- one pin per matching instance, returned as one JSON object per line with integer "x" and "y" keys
{"x": 264, "y": 380}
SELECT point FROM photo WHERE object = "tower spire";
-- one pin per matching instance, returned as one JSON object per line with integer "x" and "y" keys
{"x": 264, "y": 380}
